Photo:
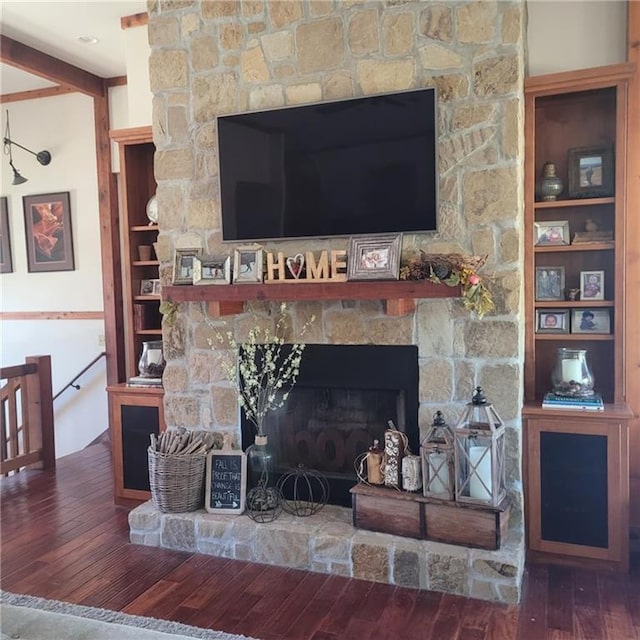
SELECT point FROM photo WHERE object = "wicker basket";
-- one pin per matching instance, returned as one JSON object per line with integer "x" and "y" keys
{"x": 177, "y": 481}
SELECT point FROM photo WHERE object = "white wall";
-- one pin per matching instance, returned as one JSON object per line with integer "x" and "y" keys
{"x": 140, "y": 98}
{"x": 64, "y": 126}
{"x": 575, "y": 34}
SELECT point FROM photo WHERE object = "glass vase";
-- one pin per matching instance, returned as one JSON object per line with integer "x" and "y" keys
{"x": 151, "y": 363}
{"x": 260, "y": 463}
{"x": 264, "y": 502}
{"x": 571, "y": 375}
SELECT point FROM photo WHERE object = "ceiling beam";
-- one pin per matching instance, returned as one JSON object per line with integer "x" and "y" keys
{"x": 45, "y": 66}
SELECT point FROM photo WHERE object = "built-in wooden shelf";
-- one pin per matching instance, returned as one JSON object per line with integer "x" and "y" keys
{"x": 582, "y": 246}
{"x": 576, "y": 337}
{"x": 577, "y": 202}
{"x": 573, "y": 304}
{"x": 399, "y": 295}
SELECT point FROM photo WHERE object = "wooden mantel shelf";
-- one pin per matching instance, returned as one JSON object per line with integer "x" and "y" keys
{"x": 399, "y": 295}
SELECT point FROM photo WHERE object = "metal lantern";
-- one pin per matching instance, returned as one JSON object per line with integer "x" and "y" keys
{"x": 438, "y": 471}
{"x": 480, "y": 454}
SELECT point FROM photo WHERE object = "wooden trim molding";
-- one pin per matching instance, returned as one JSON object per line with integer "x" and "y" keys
{"x": 22, "y": 57}
{"x": 51, "y": 315}
{"x": 33, "y": 94}
{"x": 116, "y": 81}
{"x": 135, "y": 20}
{"x": 632, "y": 266}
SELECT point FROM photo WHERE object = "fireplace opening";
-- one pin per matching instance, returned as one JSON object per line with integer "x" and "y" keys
{"x": 344, "y": 399}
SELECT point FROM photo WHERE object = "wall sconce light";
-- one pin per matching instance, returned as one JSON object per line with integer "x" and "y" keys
{"x": 43, "y": 157}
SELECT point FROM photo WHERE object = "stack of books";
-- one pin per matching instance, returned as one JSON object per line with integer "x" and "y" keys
{"x": 141, "y": 381}
{"x": 589, "y": 403}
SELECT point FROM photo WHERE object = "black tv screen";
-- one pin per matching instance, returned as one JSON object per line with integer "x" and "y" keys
{"x": 356, "y": 166}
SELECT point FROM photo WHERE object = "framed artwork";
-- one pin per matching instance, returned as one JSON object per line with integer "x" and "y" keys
{"x": 212, "y": 270}
{"x": 183, "y": 261}
{"x": 6, "y": 262}
{"x": 374, "y": 258}
{"x": 592, "y": 285}
{"x": 549, "y": 283}
{"x": 247, "y": 264}
{"x": 591, "y": 172}
{"x": 552, "y": 320}
{"x": 150, "y": 287}
{"x": 49, "y": 238}
{"x": 552, "y": 233}
{"x": 590, "y": 321}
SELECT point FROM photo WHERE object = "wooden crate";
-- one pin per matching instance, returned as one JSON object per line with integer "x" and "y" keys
{"x": 413, "y": 516}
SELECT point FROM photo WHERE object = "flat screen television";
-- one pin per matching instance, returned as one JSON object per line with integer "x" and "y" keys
{"x": 347, "y": 167}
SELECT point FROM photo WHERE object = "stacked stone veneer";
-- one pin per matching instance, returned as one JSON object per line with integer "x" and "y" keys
{"x": 217, "y": 57}
{"x": 328, "y": 543}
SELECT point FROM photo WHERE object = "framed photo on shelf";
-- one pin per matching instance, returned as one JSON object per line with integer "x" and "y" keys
{"x": 592, "y": 285}
{"x": 552, "y": 320}
{"x": 183, "y": 265}
{"x": 590, "y": 321}
{"x": 150, "y": 287}
{"x": 247, "y": 264}
{"x": 6, "y": 263}
{"x": 47, "y": 221}
{"x": 552, "y": 233}
{"x": 212, "y": 270}
{"x": 591, "y": 172}
{"x": 549, "y": 283}
{"x": 374, "y": 258}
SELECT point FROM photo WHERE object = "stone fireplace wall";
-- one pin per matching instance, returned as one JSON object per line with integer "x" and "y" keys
{"x": 211, "y": 58}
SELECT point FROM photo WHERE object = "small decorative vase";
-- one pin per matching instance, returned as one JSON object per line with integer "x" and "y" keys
{"x": 551, "y": 185}
{"x": 151, "y": 363}
{"x": 571, "y": 375}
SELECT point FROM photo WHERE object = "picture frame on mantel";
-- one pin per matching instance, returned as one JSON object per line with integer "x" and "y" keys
{"x": 49, "y": 237}
{"x": 247, "y": 264}
{"x": 6, "y": 262}
{"x": 374, "y": 258}
{"x": 183, "y": 264}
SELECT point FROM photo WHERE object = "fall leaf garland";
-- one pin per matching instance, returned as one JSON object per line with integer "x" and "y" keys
{"x": 452, "y": 270}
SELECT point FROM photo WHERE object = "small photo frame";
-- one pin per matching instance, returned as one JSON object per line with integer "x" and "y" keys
{"x": 247, "y": 264}
{"x": 591, "y": 285}
{"x": 150, "y": 287}
{"x": 590, "y": 321}
{"x": 47, "y": 221}
{"x": 374, "y": 258}
{"x": 552, "y": 320}
{"x": 591, "y": 172}
{"x": 552, "y": 233}
{"x": 212, "y": 270}
{"x": 6, "y": 262}
{"x": 183, "y": 265}
{"x": 549, "y": 283}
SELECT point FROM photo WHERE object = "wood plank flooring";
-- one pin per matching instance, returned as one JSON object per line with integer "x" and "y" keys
{"x": 63, "y": 538}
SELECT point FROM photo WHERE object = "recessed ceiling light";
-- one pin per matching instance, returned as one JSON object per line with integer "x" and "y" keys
{"x": 88, "y": 39}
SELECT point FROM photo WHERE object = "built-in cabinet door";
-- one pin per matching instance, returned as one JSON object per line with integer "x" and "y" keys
{"x": 136, "y": 413}
{"x": 577, "y": 487}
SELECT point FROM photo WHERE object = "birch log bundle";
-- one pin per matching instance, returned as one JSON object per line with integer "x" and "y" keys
{"x": 181, "y": 441}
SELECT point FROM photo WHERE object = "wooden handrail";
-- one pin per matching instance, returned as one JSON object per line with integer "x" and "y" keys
{"x": 26, "y": 416}
{"x": 71, "y": 383}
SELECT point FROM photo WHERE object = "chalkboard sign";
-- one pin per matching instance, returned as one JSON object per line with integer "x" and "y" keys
{"x": 226, "y": 481}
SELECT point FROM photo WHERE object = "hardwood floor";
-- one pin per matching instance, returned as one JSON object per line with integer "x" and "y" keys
{"x": 62, "y": 538}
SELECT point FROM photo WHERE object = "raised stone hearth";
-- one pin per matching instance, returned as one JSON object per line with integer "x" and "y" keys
{"x": 328, "y": 543}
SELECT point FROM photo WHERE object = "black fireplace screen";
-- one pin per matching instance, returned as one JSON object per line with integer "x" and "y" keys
{"x": 343, "y": 400}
